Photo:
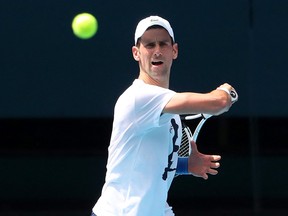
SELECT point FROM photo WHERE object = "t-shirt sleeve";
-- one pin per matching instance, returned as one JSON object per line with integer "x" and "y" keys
{"x": 150, "y": 104}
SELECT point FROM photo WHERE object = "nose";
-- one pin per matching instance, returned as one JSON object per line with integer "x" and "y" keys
{"x": 157, "y": 52}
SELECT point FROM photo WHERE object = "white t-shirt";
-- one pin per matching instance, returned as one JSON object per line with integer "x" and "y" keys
{"x": 142, "y": 154}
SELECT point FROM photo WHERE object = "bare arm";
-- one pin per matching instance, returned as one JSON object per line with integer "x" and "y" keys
{"x": 215, "y": 102}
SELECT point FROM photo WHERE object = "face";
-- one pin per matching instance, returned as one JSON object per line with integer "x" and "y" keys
{"x": 155, "y": 54}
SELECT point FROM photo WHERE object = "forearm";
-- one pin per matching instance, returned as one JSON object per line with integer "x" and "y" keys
{"x": 214, "y": 103}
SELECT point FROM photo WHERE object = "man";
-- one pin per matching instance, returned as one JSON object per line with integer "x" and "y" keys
{"x": 146, "y": 133}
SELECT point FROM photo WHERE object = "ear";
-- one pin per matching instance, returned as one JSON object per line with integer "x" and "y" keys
{"x": 135, "y": 52}
{"x": 175, "y": 51}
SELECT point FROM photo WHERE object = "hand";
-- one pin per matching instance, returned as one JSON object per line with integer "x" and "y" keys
{"x": 226, "y": 86}
{"x": 230, "y": 91}
{"x": 200, "y": 165}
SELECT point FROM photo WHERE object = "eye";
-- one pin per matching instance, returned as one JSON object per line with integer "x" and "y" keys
{"x": 150, "y": 45}
{"x": 164, "y": 44}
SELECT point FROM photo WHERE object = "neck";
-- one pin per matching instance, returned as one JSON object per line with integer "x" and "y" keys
{"x": 164, "y": 83}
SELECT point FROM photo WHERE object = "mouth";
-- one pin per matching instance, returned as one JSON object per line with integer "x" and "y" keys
{"x": 157, "y": 63}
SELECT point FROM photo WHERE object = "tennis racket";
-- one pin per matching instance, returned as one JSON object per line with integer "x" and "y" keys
{"x": 188, "y": 136}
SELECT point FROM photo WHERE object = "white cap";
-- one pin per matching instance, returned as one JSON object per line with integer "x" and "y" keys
{"x": 144, "y": 24}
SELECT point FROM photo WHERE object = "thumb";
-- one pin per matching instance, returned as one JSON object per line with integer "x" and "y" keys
{"x": 193, "y": 146}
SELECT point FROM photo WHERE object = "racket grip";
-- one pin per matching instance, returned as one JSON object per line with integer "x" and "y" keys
{"x": 233, "y": 94}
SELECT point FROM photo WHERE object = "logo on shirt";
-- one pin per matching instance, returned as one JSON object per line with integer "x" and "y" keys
{"x": 174, "y": 127}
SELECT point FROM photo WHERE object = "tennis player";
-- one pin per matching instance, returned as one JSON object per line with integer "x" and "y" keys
{"x": 142, "y": 155}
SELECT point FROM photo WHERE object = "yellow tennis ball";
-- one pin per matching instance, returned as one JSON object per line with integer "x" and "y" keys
{"x": 84, "y": 25}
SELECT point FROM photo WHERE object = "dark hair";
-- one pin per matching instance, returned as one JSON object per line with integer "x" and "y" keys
{"x": 153, "y": 27}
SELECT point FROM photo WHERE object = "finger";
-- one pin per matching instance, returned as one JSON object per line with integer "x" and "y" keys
{"x": 205, "y": 176}
{"x": 215, "y": 165}
{"x": 215, "y": 157}
{"x": 213, "y": 172}
{"x": 194, "y": 146}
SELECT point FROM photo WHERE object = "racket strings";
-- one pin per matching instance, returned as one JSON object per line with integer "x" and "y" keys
{"x": 184, "y": 149}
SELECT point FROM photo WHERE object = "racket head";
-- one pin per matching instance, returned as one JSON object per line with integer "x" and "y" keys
{"x": 198, "y": 128}
{"x": 187, "y": 136}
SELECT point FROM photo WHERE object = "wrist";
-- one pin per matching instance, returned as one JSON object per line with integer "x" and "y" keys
{"x": 224, "y": 89}
{"x": 182, "y": 166}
